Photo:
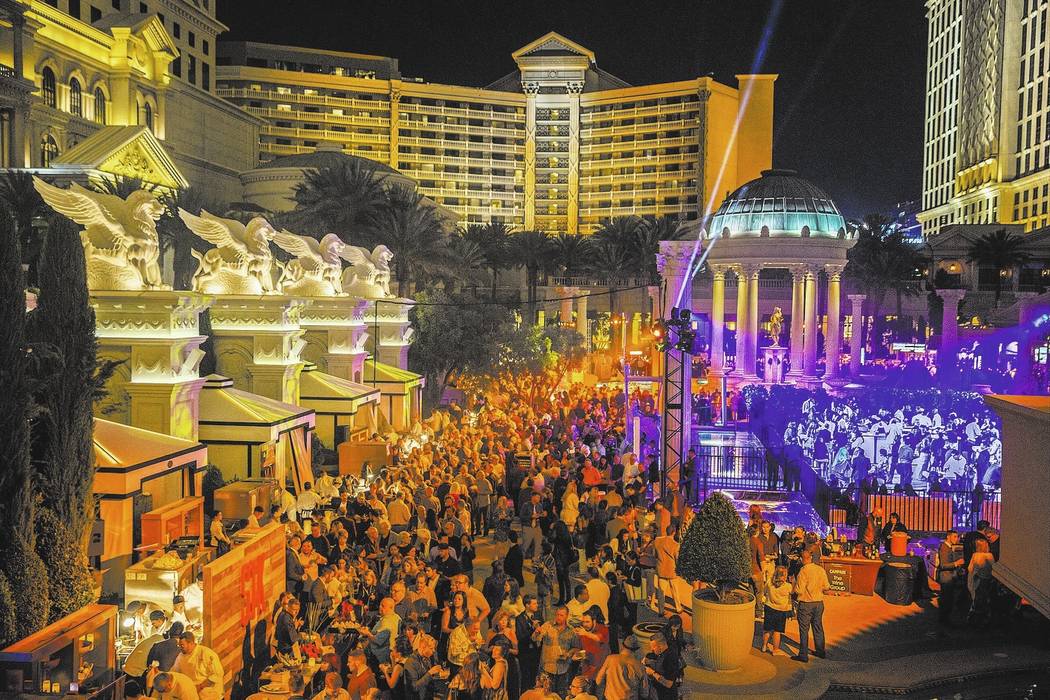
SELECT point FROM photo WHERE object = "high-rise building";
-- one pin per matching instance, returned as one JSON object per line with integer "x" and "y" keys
{"x": 558, "y": 145}
{"x": 987, "y": 131}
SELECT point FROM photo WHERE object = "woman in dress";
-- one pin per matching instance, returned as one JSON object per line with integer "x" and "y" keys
{"x": 512, "y": 602}
{"x": 494, "y": 676}
{"x": 777, "y": 606}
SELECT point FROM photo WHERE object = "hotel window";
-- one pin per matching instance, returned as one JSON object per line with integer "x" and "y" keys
{"x": 191, "y": 76}
{"x": 143, "y": 10}
{"x": 176, "y": 67}
{"x": 176, "y": 29}
{"x": 96, "y": 14}
{"x": 205, "y": 76}
{"x": 48, "y": 150}
{"x": 100, "y": 106}
{"x": 47, "y": 87}
{"x": 193, "y": 40}
{"x": 74, "y": 8}
{"x": 76, "y": 98}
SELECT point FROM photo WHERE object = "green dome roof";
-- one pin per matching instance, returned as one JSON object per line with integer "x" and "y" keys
{"x": 781, "y": 202}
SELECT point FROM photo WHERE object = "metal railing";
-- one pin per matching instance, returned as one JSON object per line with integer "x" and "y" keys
{"x": 741, "y": 467}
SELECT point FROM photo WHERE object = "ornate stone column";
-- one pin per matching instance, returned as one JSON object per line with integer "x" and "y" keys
{"x": 949, "y": 321}
{"x": 336, "y": 335}
{"x": 833, "y": 341}
{"x": 857, "y": 325}
{"x": 582, "y": 327}
{"x": 741, "y": 322}
{"x": 809, "y": 346}
{"x": 531, "y": 90}
{"x": 752, "y": 319}
{"x": 798, "y": 310}
{"x": 565, "y": 312}
{"x": 718, "y": 319}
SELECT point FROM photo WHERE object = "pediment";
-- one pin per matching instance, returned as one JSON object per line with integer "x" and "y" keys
{"x": 124, "y": 151}
{"x": 553, "y": 44}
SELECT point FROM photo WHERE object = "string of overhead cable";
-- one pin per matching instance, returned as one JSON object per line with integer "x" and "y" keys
{"x": 588, "y": 295}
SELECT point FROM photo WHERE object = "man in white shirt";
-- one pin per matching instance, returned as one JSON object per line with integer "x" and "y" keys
{"x": 307, "y": 501}
{"x": 810, "y": 586}
{"x": 598, "y": 592}
{"x": 201, "y": 665}
{"x": 283, "y": 498}
{"x": 398, "y": 514}
{"x": 174, "y": 686}
{"x": 193, "y": 594}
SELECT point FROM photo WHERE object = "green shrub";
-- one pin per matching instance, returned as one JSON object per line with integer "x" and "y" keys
{"x": 211, "y": 481}
{"x": 8, "y": 624}
{"x": 28, "y": 580}
{"x": 71, "y": 584}
{"x": 714, "y": 549}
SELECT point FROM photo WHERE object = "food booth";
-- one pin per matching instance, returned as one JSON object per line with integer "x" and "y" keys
{"x": 242, "y": 429}
{"x": 138, "y": 471}
{"x": 401, "y": 390}
{"x": 74, "y": 655}
{"x": 345, "y": 410}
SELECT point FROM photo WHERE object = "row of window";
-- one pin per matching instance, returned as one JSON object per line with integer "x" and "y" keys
{"x": 49, "y": 91}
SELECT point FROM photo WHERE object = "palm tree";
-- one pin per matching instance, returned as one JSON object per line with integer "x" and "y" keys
{"x": 648, "y": 235}
{"x": 1000, "y": 251}
{"x": 412, "y": 231}
{"x": 121, "y": 186}
{"x": 493, "y": 239}
{"x": 621, "y": 231}
{"x": 174, "y": 234}
{"x": 342, "y": 199}
{"x": 23, "y": 204}
{"x": 610, "y": 261}
{"x": 467, "y": 261}
{"x": 531, "y": 250}
{"x": 882, "y": 262}
{"x": 571, "y": 252}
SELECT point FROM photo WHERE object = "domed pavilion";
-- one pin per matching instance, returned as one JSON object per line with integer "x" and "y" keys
{"x": 778, "y": 221}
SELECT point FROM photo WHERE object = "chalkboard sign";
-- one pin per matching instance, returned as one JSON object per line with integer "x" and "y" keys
{"x": 839, "y": 577}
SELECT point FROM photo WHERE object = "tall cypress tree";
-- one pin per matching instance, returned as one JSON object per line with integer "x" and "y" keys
{"x": 23, "y": 581}
{"x": 64, "y": 324}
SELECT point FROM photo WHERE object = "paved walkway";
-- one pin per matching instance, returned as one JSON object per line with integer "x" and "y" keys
{"x": 872, "y": 646}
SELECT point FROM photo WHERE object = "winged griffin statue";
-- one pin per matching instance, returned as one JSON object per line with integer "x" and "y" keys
{"x": 121, "y": 247}
{"x": 317, "y": 265}
{"x": 240, "y": 262}
{"x": 369, "y": 273}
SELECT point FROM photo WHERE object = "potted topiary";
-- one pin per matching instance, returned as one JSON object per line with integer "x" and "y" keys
{"x": 715, "y": 552}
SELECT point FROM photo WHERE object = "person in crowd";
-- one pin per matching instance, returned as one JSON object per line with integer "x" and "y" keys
{"x": 219, "y": 539}
{"x": 138, "y": 661}
{"x": 777, "y": 605}
{"x": 172, "y": 685}
{"x": 621, "y": 674}
{"x": 951, "y": 570}
{"x": 166, "y": 651}
{"x": 559, "y": 645}
{"x": 201, "y": 665}
{"x": 811, "y": 585}
{"x": 360, "y": 678}
{"x": 663, "y": 668}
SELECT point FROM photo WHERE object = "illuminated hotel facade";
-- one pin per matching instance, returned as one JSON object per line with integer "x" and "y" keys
{"x": 987, "y": 129}
{"x": 559, "y": 145}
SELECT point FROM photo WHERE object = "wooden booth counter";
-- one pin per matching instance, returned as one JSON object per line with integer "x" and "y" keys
{"x": 75, "y": 655}
{"x": 181, "y": 518}
{"x": 852, "y": 574}
{"x": 237, "y": 500}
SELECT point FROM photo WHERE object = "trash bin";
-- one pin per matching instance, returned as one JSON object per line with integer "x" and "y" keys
{"x": 643, "y": 632}
{"x": 898, "y": 583}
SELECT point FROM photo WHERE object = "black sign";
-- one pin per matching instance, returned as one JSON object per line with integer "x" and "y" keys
{"x": 839, "y": 577}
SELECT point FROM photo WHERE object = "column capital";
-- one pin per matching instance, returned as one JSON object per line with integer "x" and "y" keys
{"x": 718, "y": 272}
{"x": 834, "y": 270}
{"x": 530, "y": 89}
{"x": 857, "y": 299}
{"x": 674, "y": 256}
{"x": 951, "y": 295}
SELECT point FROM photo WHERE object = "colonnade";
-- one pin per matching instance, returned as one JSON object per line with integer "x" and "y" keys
{"x": 804, "y": 319}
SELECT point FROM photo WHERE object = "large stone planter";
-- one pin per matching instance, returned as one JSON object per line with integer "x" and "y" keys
{"x": 722, "y": 632}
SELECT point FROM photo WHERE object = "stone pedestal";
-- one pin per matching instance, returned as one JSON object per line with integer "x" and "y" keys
{"x": 259, "y": 342}
{"x": 389, "y": 330}
{"x": 774, "y": 361}
{"x": 949, "y": 325}
{"x": 155, "y": 335}
{"x": 336, "y": 335}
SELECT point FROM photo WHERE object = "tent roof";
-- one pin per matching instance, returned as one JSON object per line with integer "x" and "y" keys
{"x": 222, "y": 404}
{"x": 319, "y": 386}
{"x": 119, "y": 446}
{"x": 388, "y": 374}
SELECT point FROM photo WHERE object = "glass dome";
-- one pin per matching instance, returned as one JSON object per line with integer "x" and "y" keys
{"x": 782, "y": 202}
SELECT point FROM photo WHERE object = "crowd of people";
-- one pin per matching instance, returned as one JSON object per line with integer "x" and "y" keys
{"x": 903, "y": 447}
{"x": 382, "y": 584}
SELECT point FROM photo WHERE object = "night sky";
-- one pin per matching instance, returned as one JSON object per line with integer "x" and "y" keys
{"x": 849, "y": 100}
